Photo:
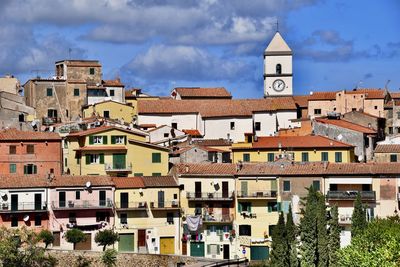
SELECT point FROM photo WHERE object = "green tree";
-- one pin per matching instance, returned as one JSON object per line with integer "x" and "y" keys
{"x": 334, "y": 236}
{"x": 75, "y": 236}
{"x": 47, "y": 237}
{"x": 109, "y": 257}
{"x": 106, "y": 238}
{"x": 358, "y": 219}
{"x": 291, "y": 233}
{"x": 279, "y": 248}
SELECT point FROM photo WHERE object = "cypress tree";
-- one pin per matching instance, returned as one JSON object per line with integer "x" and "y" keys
{"x": 334, "y": 236}
{"x": 291, "y": 232}
{"x": 279, "y": 255}
{"x": 358, "y": 219}
{"x": 322, "y": 232}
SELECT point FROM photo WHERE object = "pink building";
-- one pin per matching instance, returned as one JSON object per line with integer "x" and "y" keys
{"x": 83, "y": 202}
{"x": 30, "y": 153}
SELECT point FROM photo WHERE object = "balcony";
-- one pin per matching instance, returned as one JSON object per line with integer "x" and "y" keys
{"x": 218, "y": 218}
{"x": 117, "y": 167}
{"x": 23, "y": 207}
{"x": 257, "y": 194}
{"x": 196, "y": 196}
{"x": 350, "y": 195}
{"x": 130, "y": 206}
{"x": 166, "y": 205}
{"x": 345, "y": 218}
{"x": 82, "y": 204}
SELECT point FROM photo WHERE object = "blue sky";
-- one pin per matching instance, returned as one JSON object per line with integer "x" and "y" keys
{"x": 160, "y": 44}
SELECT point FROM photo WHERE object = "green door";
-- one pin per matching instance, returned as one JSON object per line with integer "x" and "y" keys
{"x": 197, "y": 249}
{"x": 259, "y": 253}
{"x": 126, "y": 242}
{"x": 119, "y": 161}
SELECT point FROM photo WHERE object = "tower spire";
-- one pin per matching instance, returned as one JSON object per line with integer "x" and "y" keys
{"x": 277, "y": 25}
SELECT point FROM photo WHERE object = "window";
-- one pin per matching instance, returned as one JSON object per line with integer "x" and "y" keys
{"x": 166, "y": 135}
{"x": 123, "y": 218}
{"x": 138, "y": 174}
{"x": 14, "y": 221}
{"x": 13, "y": 150}
{"x": 72, "y": 217}
{"x": 106, "y": 114}
{"x": 286, "y": 186}
{"x": 353, "y": 109}
{"x": 102, "y": 216}
{"x": 393, "y": 158}
{"x": 119, "y": 140}
{"x": 21, "y": 117}
{"x": 38, "y": 220}
{"x": 30, "y": 149}
{"x": 232, "y": 125}
{"x": 212, "y": 156}
{"x": 271, "y": 157}
{"x": 390, "y": 130}
{"x": 76, "y": 92}
{"x": 324, "y": 156}
{"x": 175, "y": 196}
{"x": 170, "y": 218}
{"x": 338, "y": 156}
{"x": 174, "y": 125}
{"x": 245, "y": 230}
{"x": 77, "y": 195}
{"x": 375, "y": 107}
{"x": 112, "y": 92}
{"x": 278, "y": 69}
{"x": 156, "y": 158}
{"x": 97, "y": 140}
{"x": 94, "y": 159}
{"x": 49, "y": 92}
{"x": 213, "y": 249}
{"x": 317, "y": 111}
{"x": 316, "y": 185}
{"x": 13, "y": 168}
{"x": 398, "y": 115}
{"x": 244, "y": 206}
{"x": 273, "y": 206}
{"x": 257, "y": 126}
{"x": 66, "y": 162}
{"x": 91, "y": 71}
{"x": 156, "y": 174}
{"x": 52, "y": 113}
{"x": 304, "y": 156}
{"x": 30, "y": 169}
{"x": 246, "y": 157}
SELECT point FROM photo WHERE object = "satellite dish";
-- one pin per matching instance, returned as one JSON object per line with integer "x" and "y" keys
{"x": 3, "y": 195}
{"x": 26, "y": 218}
{"x": 140, "y": 190}
{"x": 88, "y": 184}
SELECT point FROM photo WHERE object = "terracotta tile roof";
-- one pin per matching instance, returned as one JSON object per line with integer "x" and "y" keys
{"x": 197, "y": 92}
{"x": 192, "y": 132}
{"x": 301, "y": 100}
{"x": 97, "y": 148}
{"x": 17, "y": 135}
{"x": 322, "y": 96}
{"x": 216, "y": 108}
{"x": 370, "y": 93}
{"x": 307, "y": 141}
{"x": 81, "y": 180}
{"x": 159, "y": 181}
{"x": 395, "y": 95}
{"x": 148, "y": 125}
{"x": 206, "y": 169}
{"x": 392, "y": 103}
{"x": 212, "y": 142}
{"x": 103, "y": 129}
{"x": 128, "y": 182}
{"x": 389, "y": 148}
{"x": 112, "y": 83}
{"x": 347, "y": 125}
{"x": 22, "y": 181}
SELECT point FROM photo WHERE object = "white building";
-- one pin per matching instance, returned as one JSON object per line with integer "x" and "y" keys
{"x": 108, "y": 90}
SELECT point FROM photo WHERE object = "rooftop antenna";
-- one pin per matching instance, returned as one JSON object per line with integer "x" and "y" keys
{"x": 358, "y": 84}
{"x": 387, "y": 83}
{"x": 69, "y": 52}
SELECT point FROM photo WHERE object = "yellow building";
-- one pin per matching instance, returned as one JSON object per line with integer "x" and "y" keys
{"x": 111, "y": 110}
{"x": 133, "y": 96}
{"x": 114, "y": 151}
{"x": 309, "y": 148}
{"x": 147, "y": 214}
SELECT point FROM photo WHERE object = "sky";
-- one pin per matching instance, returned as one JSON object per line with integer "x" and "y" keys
{"x": 157, "y": 45}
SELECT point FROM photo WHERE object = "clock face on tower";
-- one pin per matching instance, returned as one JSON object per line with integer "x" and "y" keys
{"x": 278, "y": 85}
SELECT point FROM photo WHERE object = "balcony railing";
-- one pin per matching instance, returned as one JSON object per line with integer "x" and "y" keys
{"x": 82, "y": 204}
{"x": 131, "y": 205}
{"x": 349, "y": 195}
{"x": 257, "y": 194}
{"x": 209, "y": 196}
{"x": 165, "y": 205}
{"x": 117, "y": 167}
{"x": 218, "y": 218}
{"x": 23, "y": 206}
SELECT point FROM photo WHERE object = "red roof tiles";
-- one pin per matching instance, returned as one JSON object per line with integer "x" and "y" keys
{"x": 206, "y": 168}
{"x": 347, "y": 125}
{"x": 197, "y": 92}
{"x": 17, "y": 135}
{"x": 387, "y": 148}
{"x": 81, "y": 180}
{"x": 128, "y": 182}
{"x": 112, "y": 83}
{"x": 103, "y": 129}
{"x": 144, "y": 181}
{"x": 192, "y": 132}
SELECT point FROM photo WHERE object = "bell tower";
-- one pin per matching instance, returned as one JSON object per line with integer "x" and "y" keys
{"x": 278, "y": 73}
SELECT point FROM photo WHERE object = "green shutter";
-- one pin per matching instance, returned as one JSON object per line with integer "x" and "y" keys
{"x": 34, "y": 169}
{"x": 91, "y": 140}
{"x": 249, "y": 206}
{"x": 269, "y": 208}
{"x": 87, "y": 159}
{"x": 25, "y": 169}
{"x": 218, "y": 249}
{"x": 125, "y": 140}
{"x": 104, "y": 139}
{"x": 112, "y": 139}
{"x": 102, "y": 158}
{"x": 239, "y": 207}
{"x": 156, "y": 157}
{"x": 279, "y": 206}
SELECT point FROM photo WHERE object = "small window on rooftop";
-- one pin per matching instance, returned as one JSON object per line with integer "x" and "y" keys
{"x": 76, "y": 92}
{"x": 91, "y": 71}
{"x": 13, "y": 150}
{"x": 49, "y": 92}
{"x": 112, "y": 92}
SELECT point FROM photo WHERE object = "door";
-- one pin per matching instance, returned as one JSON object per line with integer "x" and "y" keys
{"x": 61, "y": 199}
{"x": 14, "y": 202}
{"x": 259, "y": 253}
{"x": 126, "y": 242}
{"x": 184, "y": 247}
{"x": 119, "y": 161}
{"x": 197, "y": 249}
{"x": 197, "y": 189}
{"x": 38, "y": 202}
{"x": 161, "y": 199}
{"x": 57, "y": 238}
{"x": 102, "y": 198}
{"x": 244, "y": 190}
{"x": 124, "y": 200}
{"x": 225, "y": 212}
{"x": 226, "y": 251}
{"x": 225, "y": 190}
{"x": 141, "y": 238}
{"x": 85, "y": 245}
{"x": 167, "y": 245}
